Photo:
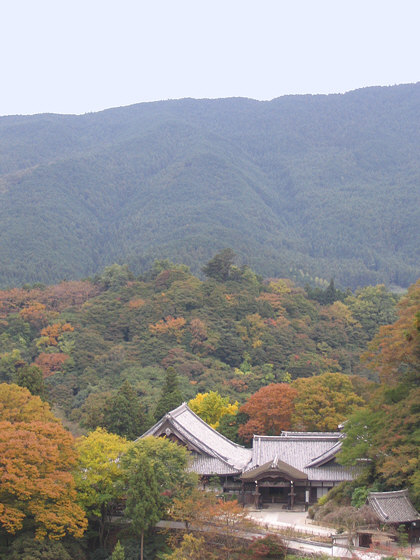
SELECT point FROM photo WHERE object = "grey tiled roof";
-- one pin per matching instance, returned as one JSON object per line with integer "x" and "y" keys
{"x": 326, "y": 456}
{"x": 314, "y": 435}
{"x": 204, "y": 465}
{"x": 190, "y": 427}
{"x": 272, "y": 467}
{"x": 311, "y": 453}
{"x": 393, "y": 507}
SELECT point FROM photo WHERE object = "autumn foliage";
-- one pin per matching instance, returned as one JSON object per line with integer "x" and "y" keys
{"x": 50, "y": 363}
{"x": 323, "y": 402}
{"x": 395, "y": 350}
{"x": 269, "y": 409}
{"x": 171, "y": 326}
{"x": 52, "y": 333}
{"x": 36, "y": 458}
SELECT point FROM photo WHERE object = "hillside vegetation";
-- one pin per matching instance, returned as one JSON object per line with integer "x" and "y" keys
{"x": 114, "y": 353}
{"x": 233, "y": 333}
{"x": 308, "y": 187}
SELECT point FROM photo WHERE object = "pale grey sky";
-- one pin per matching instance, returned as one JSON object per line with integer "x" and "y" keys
{"x": 77, "y": 56}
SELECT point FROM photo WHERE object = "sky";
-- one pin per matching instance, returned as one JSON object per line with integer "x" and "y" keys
{"x": 79, "y": 56}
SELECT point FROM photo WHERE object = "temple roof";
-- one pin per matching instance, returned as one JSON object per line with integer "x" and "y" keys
{"x": 393, "y": 507}
{"x": 311, "y": 453}
{"x": 274, "y": 468}
{"x": 299, "y": 455}
{"x": 221, "y": 456}
{"x": 325, "y": 457}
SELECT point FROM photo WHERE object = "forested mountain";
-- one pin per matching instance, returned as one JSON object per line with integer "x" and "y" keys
{"x": 301, "y": 186}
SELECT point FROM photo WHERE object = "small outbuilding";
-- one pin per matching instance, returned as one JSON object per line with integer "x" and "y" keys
{"x": 395, "y": 509}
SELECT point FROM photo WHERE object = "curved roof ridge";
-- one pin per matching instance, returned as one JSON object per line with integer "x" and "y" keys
{"x": 202, "y": 436}
{"x": 301, "y": 436}
{"x": 198, "y": 443}
{"x": 211, "y": 452}
{"x": 328, "y": 455}
{"x": 390, "y": 493}
{"x": 185, "y": 407}
{"x": 277, "y": 465}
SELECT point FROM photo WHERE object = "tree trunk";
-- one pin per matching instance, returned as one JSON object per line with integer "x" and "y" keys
{"x": 141, "y": 545}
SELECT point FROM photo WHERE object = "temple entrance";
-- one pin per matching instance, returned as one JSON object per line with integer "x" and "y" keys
{"x": 274, "y": 495}
{"x": 276, "y": 482}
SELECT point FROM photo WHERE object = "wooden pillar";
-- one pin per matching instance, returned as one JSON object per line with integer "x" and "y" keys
{"x": 292, "y": 495}
{"x": 256, "y": 496}
{"x": 307, "y": 496}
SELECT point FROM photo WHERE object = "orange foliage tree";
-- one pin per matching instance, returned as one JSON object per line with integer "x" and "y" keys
{"x": 36, "y": 458}
{"x": 395, "y": 350}
{"x": 270, "y": 410}
{"x": 52, "y": 333}
{"x": 50, "y": 363}
{"x": 174, "y": 326}
{"x": 390, "y": 424}
{"x": 35, "y": 313}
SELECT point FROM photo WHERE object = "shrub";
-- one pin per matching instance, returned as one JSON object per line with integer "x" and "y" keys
{"x": 271, "y": 546}
{"x": 359, "y": 496}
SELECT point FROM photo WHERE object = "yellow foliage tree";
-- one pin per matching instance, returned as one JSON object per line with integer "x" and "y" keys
{"x": 98, "y": 474}
{"x": 323, "y": 402}
{"x": 211, "y": 407}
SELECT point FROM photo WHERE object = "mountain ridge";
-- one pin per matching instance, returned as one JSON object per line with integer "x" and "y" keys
{"x": 302, "y": 186}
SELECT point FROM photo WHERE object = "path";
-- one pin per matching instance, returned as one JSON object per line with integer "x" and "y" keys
{"x": 275, "y": 518}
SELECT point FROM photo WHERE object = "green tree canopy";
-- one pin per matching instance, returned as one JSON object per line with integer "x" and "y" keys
{"x": 387, "y": 431}
{"x": 31, "y": 377}
{"x": 171, "y": 396}
{"x": 144, "y": 500}
{"x": 124, "y": 414}
{"x": 372, "y": 306}
{"x": 219, "y": 266}
{"x": 155, "y": 473}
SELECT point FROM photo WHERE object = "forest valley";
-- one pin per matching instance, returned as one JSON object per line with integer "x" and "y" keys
{"x": 88, "y": 366}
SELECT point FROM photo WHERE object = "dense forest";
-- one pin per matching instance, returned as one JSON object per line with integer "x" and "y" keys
{"x": 296, "y": 186}
{"x": 110, "y": 355}
{"x": 233, "y": 333}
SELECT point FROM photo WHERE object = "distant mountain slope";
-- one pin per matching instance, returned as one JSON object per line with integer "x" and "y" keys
{"x": 302, "y": 185}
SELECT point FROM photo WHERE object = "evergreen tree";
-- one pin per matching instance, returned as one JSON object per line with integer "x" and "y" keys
{"x": 31, "y": 377}
{"x": 144, "y": 504}
{"x": 220, "y": 265}
{"x": 118, "y": 553}
{"x": 124, "y": 414}
{"x": 171, "y": 396}
{"x": 10, "y": 362}
{"x": 330, "y": 293}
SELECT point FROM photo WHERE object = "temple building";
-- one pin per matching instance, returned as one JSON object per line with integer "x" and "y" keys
{"x": 293, "y": 469}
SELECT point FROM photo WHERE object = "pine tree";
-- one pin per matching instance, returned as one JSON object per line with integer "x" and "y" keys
{"x": 124, "y": 414}
{"x": 219, "y": 267}
{"x": 171, "y": 396}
